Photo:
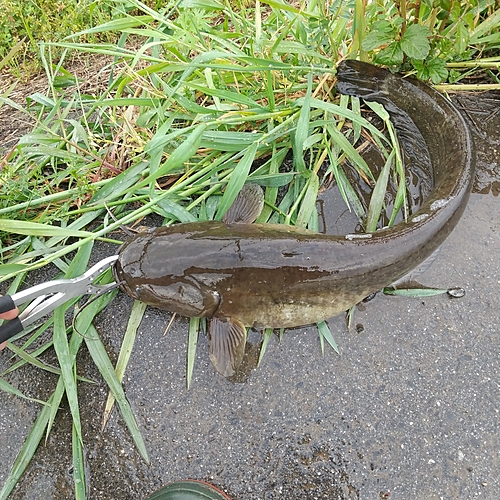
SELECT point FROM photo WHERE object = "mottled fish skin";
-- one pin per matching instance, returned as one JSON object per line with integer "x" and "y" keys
{"x": 280, "y": 276}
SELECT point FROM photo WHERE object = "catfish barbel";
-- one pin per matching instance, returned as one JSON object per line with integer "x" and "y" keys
{"x": 240, "y": 274}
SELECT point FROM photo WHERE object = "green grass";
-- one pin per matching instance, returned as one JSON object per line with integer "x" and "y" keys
{"x": 422, "y": 37}
{"x": 202, "y": 96}
{"x": 25, "y": 24}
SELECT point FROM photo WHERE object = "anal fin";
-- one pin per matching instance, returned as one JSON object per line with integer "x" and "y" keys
{"x": 227, "y": 344}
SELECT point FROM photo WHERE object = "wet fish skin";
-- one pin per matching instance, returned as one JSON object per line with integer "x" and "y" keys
{"x": 281, "y": 276}
{"x": 263, "y": 275}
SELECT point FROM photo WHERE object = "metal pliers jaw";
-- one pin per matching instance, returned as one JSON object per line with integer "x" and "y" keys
{"x": 47, "y": 296}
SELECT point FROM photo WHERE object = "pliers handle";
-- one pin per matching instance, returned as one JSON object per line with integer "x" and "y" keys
{"x": 47, "y": 296}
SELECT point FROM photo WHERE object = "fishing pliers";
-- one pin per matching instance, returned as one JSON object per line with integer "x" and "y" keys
{"x": 47, "y": 296}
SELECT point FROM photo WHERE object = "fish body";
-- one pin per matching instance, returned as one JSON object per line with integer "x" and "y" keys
{"x": 241, "y": 274}
{"x": 264, "y": 275}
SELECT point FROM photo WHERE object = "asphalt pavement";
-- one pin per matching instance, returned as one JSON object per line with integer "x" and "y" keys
{"x": 409, "y": 409}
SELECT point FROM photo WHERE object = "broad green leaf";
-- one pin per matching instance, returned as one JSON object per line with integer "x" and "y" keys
{"x": 415, "y": 43}
{"x": 437, "y": 71}
{"x": 375, "y": 39}
{"x": 392, "y": 55}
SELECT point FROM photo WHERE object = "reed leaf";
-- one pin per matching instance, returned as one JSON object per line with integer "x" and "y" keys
{"x": 134, "y": 321}
{"x": 194, "y": 327}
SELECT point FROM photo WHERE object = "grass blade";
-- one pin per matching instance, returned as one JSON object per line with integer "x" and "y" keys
{"x": 194, "y": 327}
{"x": 66, "y": 358}
{"x": 126, "y": 350}
{"x": 57, "y": 396}
{"x": 238, "y": 178}
{"x": 308, "y": 205}
{"x": 414, "y": 292}
{"x": 27, "y": 451}
{"x": 378, "y": 196}
{"x": 78, "y": 466}
{"x": 177, "y": 158}
{"x": 5, "y": 386}
{"x": 66, "y": 362}
{"x": 342, "y": 143}
{"x": 302, "y": 131}
{"x": 266, "y": 337}
{"x": 326, "y": 334}
{"x": 36, "y": 229}
{"x": 103, "y": 363}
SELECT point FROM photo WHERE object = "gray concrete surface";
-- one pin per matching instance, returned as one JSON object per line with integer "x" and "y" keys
{"x": 410, "y": 408}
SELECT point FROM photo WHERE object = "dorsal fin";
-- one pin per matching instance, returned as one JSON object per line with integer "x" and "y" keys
{"x": 247, "y": 206}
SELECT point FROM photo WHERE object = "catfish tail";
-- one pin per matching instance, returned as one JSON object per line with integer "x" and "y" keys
{"x": 361, "y": 79}
{"x": 398, "y": 96}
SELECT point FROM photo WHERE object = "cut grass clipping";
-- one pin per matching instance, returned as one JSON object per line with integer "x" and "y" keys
{"x": 201, "y": 98}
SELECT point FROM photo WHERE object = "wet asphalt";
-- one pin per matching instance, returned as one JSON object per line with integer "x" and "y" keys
{"x": 409, "y": 409}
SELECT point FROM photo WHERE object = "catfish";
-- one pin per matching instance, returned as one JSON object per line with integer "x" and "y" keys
{"x": 240, "y": 274}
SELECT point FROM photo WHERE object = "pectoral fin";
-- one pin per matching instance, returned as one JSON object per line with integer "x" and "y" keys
{"x": 247, "y": 206}
{"x": 227, "y": 344}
